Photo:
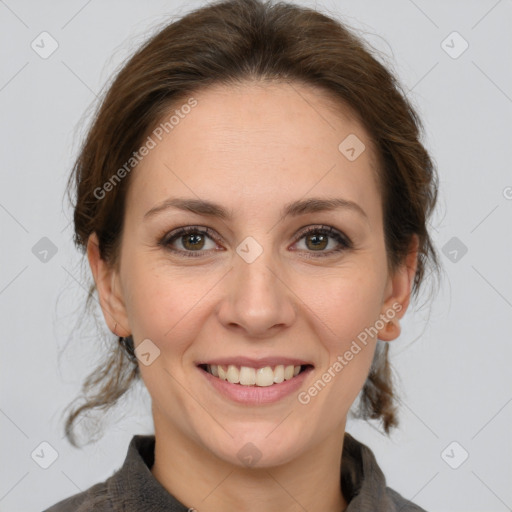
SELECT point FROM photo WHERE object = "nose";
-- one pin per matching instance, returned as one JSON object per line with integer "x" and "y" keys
{"x": 257, "y": 300}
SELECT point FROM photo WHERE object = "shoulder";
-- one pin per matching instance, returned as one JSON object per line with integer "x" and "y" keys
{"x": 128, "y": 484}
{"x": 95, "y": 498}
{"x": 401, "y": 503}
{"x": 364, "y": 482}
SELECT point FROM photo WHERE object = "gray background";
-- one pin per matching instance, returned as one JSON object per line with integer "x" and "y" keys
{"x": 453, "y": 359}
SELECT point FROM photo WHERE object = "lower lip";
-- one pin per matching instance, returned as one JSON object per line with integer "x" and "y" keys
{"x": 256, "y": 395}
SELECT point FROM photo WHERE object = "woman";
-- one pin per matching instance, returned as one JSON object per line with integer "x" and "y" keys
{"x": 253, "y": 199}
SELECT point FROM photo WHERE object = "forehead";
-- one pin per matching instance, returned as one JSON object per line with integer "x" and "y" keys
{"x": 258, "y": 145}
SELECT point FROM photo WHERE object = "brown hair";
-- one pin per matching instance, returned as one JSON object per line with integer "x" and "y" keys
{"x": 230, "y": 42}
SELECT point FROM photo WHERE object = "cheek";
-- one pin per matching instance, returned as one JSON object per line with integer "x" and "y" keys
{"x": 348, "y": 310}
{"x": 165, "y": 304}
{"x": 348, "y": 306}
{"x": 348, "y": 301}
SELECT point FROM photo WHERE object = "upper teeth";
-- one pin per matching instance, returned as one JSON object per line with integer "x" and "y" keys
{"x": 247, "y": 376}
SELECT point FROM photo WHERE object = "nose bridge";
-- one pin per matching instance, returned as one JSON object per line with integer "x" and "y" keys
{"x": 254, "y": 267}
{"x": 257, "y": 298}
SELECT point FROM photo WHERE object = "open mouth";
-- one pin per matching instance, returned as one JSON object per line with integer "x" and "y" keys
{"x": 260, "y": 377}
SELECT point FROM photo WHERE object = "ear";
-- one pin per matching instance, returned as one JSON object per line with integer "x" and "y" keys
{"x": 398, "y": 293}
{"x": 109, "y": 289}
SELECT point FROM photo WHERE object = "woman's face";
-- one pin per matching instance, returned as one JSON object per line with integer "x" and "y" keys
{"x": 256, "y": 291}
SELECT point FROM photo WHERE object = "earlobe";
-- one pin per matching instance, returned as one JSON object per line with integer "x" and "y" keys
{"x": 391, "y": 330}
{"x": 105, "y": 276}
{"x": 398, "y": 300}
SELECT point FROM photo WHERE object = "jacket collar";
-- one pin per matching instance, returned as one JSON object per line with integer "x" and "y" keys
{"x": 362, "y": 481}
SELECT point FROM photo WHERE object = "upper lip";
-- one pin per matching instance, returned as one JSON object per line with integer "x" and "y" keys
{"x": 255, "y": 363}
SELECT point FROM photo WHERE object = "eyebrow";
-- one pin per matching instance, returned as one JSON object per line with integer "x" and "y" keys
{"x": 293, "y": 209}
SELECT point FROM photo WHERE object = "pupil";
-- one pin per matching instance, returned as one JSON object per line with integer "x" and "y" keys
{"x": 322, "y": 238}
{"x": 192, "y": 239}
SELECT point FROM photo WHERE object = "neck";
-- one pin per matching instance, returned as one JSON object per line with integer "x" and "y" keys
{"x": 202, "y": 481}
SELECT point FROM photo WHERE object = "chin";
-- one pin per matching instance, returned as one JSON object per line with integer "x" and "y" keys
{"x": 256, "y": 449}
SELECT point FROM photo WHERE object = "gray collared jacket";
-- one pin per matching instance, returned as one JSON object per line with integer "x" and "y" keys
{"x": 133, "y": 488}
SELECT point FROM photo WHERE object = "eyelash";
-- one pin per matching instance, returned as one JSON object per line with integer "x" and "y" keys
{"x": 169, "y": 238}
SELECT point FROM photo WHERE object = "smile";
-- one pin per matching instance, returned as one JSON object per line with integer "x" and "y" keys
{"x": 255, "y": 381}
{"x": 250, "y": 376}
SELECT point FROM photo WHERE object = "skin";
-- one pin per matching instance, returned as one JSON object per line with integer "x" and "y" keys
{"x": 252, "y": 148}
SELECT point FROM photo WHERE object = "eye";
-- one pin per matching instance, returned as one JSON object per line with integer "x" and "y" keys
{"x": 193, "y": 239}
{"x": 317, "y": 239}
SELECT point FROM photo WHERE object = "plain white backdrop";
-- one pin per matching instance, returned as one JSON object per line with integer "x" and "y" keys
{"x": 453, "y": 450}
